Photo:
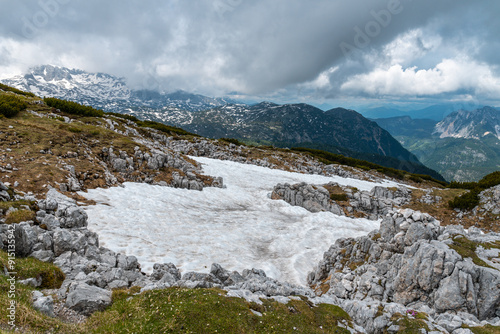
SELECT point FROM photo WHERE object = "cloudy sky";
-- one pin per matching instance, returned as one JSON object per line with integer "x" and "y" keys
{"x": 335, "y": 52}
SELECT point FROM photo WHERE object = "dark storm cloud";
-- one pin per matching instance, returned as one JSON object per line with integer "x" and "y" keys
{"x": 254, "y": 47}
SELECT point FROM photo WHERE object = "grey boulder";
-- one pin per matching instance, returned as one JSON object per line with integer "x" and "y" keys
{"x": 88, "y": 299}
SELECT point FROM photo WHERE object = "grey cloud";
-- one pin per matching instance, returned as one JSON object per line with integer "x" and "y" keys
{"x": 253, "y": 46}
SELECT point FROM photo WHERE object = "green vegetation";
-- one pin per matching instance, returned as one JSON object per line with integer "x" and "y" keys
{"x": 232, "y": 141}
{"x": 408, "y": 325}
{"x": 15, "y": 90}
{"x": 52, "y": 277}
{"x": 165, "y": 128}
{"x": 27, "y": 318}
{"x": 73, "y": 107}
{"x": 11, "y": 105}
{"x": 15, "y": 217}
{"x": 467, "y": 248}
{"x": 17, "y": 205}
{"x": 470, "y": 199}
{"x": 329, "y": 158}
{"x": 177, "y": 310}
{"x": 124, "y": 116}
{"x": 339, "y": 197}
{"x": 488, "y": 329}
{"x": 154, "y": 125}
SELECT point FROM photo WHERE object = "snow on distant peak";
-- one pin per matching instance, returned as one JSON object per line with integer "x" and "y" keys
{"x": 105, "y": 91}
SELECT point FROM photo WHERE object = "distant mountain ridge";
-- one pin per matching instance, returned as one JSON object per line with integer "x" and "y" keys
{"x": 464, "y": 146}
{"x": 474, "y": 124}
{"x": 435, "y": 112}
{"x": 104, "y": 91}
{"x": 338, "y": 130}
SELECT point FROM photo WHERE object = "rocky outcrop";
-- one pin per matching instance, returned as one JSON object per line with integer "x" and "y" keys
{"x": 373, "y": 204}
{"x": 4, "y": 195}
{"x": 312, "y": 198}
{"x": 489, "y": 200}
{"x": 185, "y": 175}
{"x": 414, "y": 262}
{"x": 60, "y": 235}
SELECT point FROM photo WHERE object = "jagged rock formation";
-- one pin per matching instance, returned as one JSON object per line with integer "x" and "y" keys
{"x": 372, "y": 204}
{"x": 105, "y": 91}
{"x": 489, "y": 201}
{"x": 414, "y": 262}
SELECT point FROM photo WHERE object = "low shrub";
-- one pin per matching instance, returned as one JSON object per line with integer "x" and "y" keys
{"x": 165, "y": 128}
{"x": 470, "y": 200}
{"x": 232, "y": 141}
{"x": 11, "y": 105}
{"x": 15, "y": 90}
{"x": 73, "y": 107}
{"x": 124, "y": 116}
{"x": 339, "y": 197}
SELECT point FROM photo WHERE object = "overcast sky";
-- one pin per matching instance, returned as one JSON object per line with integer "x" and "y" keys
{"x": 339, "y": 52}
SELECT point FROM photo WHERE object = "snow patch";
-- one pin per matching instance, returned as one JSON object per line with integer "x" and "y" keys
{"x": 238, "y": 227}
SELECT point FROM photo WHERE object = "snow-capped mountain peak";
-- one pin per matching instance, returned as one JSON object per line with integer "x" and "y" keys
{"x": 105, "y": 91}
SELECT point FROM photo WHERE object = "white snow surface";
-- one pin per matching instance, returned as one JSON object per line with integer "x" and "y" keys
{"x": 239, "y": 226}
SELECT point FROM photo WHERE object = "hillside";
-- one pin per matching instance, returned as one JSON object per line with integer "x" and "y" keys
{"x": 117, "y": 222}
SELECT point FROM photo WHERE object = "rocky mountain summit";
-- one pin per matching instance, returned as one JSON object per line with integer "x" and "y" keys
{"x": 337, "y": 130}
{"x": 474, "y": 124}
{"x": 105, "y": 91}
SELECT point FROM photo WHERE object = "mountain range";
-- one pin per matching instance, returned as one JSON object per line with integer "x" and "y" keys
{"x": 105, "y": 91}
{"x": 464, "y": 146}
{"x": 338, "y": 130}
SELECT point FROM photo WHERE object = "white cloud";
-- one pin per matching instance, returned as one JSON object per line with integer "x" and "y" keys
{"x": 411, "y": 45}
{"x": 322, "y": 80}
{"x": 449, "y": 76}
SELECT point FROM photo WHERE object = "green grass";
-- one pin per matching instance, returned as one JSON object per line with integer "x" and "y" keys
{"x": 488, "y": 329}
{"x": 27, "y": 318}
{"x": 409, "y": 325}
{"x": 177, "y": 310}
{"x": 52, "y": 277}
{"x": 15, "y": 217}
{"x": 17, "y": 204}
{"x": 467, "y": 248}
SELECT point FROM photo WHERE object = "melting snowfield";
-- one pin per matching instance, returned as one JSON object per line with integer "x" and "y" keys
{"x": 238, "y": 227}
